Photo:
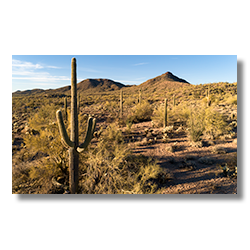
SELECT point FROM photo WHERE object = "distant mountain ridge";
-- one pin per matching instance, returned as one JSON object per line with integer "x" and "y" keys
{"x": 88, "y": 85}
{"x": 159, "y": 83}
{"x": 99, "y": 85}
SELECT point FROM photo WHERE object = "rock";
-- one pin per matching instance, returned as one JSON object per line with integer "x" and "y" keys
{"x": 149, "y": 134}
{"x": 150, "y": 141}
{"x": 170, "y": 149}
{"x": 165, "y": 139}
{"x": 198, "y": 144}
{"x": 206, "y": 160}
{"x": 179, "y": 129}
{"x": 234, "y": 141}
{"x": 143, "y": 142}
{"x": 190, "y": 157}
{"x": 167, "y": 129}
{"x": 188, "y": 165}
{"x": 218, "y": 150}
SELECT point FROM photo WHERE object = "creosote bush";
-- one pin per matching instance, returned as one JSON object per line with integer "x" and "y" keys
{"x": 111, "y": 168}
{"x": 46, "y": 143}
{"x": 141, "y": 112}
{"x": 181, "y": 113}
{"x": 206, "y": 121}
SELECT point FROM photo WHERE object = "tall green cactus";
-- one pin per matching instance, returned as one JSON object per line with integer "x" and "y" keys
{"x": 73, "y": 142}
{"x": 165, "y": 122}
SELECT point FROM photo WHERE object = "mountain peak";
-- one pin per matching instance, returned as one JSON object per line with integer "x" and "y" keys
{"x": 165, "y": 81}
{"x": 171, "y": 77}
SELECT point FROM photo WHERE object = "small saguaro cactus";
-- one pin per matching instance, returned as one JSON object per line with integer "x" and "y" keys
{"x": 165, "y": 122}
{"x": 121, "y": 104}
{"x": 73, "y": 142}
{"x": 139, "y": 96}
{"x": 174, "y": 101}
{"x": 208, "y": 99}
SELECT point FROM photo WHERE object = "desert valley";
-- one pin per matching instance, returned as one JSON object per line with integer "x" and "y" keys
{"x": 163, "y": 136}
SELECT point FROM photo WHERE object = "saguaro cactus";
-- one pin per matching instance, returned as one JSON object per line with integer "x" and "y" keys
{"x": 174, "y": 101}
{"x": 121, "y": 104}
{"x": 139, "y": 96}
{"x": 165, "y": 122}
{"x": 73, "y": 142}
{"x": 208, "y": 99}
{"x": 78, "y": 106}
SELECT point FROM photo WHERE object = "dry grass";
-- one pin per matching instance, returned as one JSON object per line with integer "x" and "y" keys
{"x": 111, "y": 168}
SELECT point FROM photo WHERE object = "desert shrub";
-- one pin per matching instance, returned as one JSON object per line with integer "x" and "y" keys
{"x": 141, "y": 112}
{"x": 44, "y": 149}
{"x": 212, "y": 99}
{"x": 20, "y": 175}
{"x": 206, "y": 121}
{"x": 179, "y": 113}
{"x": 111, "y": 169}
{"x": 43, "y": 117}
{"x": 215, "y": 123}
{"x": 129, "y": 101}
{"x": 158, "y": 116}
{"x": 232, "y": 100}
{"x": 196, "y": 124}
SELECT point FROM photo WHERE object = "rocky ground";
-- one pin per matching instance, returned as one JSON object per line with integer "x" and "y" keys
{"x": 193, "y": 169}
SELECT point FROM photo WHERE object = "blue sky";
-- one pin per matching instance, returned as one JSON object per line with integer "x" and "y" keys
{"x": 53, "y": 71}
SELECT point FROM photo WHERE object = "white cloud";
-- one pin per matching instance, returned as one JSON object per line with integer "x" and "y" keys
{"x": 22, "y": 70}
{"x": 22, "y": 65}
{"x": 128, "y": 81}
{"x": 27, "y": 65}
{"x": 42, "y": 78}
{"x": 138, "y": 64}
{"x": 89, "y": 70}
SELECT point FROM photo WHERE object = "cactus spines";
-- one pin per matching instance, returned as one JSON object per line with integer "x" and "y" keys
{"x": 73, "y": 142}
{"x": 165, "y": 122}
{"x": 121, "y": 104}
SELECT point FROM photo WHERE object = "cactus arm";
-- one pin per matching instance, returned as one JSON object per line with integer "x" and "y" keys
{"x": 89, "y": 135}
{"x": 62, "y": 130}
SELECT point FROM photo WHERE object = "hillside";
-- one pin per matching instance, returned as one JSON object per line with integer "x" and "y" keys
{"x": 158, "y": 84}
{"x": 166, "y": 80}
{"x": 99, "y": 85}
{"x": 86, "y": 86}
